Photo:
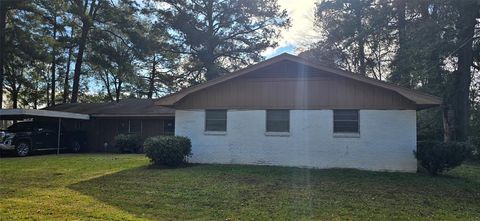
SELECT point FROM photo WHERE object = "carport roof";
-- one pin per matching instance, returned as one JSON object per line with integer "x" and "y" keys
{"x": 17, "y": 114}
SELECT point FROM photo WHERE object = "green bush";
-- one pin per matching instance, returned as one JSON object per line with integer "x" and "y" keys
{"x": 476, "y": 153}
{"x": 128, "y": 143}
{"x": 475, "y": 148}
{"x": 437, "y": 157}
{"x": 168, "y": 150}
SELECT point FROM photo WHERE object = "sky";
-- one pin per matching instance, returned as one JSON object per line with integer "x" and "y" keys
{"x": 301, "y": 31}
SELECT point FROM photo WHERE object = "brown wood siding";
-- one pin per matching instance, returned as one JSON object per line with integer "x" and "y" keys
{"x": 104, "y": 130}
{"x": 282, "y": 87}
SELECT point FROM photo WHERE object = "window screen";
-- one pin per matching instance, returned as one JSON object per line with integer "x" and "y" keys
{"x": 345, "y": 121}
{"x": 278, "y": 120}
{"x": 216, "y": 120}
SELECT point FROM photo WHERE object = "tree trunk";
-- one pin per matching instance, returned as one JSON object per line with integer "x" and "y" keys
{"x": 78, "y": 63}
{"x": 35, "y": 98}
{"x": 399, "y": 69}
{"x": 401, "y": 23}
{"x": 361, "y": 41}
{"x": 466, "y": 24}
{"x": 54, "y": 58}
{"x": 212, "y": 71}
{"x": 87, "y": 22}
{"x": 447, "y": 125}
{"x": 67, "y": 73}
{"x": 209, "y": 60}
{"x": 361, "y": 56}
{"x": 106, "y": 81}
{"x": 13, "y": 89}
{"x": 151, "y": 84}
{"x": 15, "y": 98}
{"x": 118, "y": 90}
{"x": 3, "y": 23}
{"x": 48, "y": 92}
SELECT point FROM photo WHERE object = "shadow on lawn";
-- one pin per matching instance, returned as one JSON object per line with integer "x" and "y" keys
{"x": 229, "y": 191}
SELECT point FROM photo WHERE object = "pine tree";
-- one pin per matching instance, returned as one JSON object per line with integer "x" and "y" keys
{"x": 220, "y": 36}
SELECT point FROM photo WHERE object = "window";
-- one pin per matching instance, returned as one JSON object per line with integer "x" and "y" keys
{"x": 216, "y": 120}
{"x": 345, "y": 121}
{"x": 21, "y": 127}
{"x": 278, "y": 120}
{"x": 129, "y": 127}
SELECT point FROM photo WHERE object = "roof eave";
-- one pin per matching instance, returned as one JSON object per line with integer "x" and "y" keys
{"x": 132, "y": 115}
{"x": 426, "y": 106}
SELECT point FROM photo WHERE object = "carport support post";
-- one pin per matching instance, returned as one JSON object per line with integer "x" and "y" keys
{"x": 58, "y": 135}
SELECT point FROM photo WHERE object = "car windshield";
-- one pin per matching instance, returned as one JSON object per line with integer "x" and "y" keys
{"x": 19, "y": 127}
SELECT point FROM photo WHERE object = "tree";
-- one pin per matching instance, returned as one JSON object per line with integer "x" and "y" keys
{"x": 119, "y": 46}
{"x": 14, "y": 82}
{"x": 440, "y": 32}
{"x": 86, "y": 11}
{"x": 116, "y": 18}
{"x": 219, "y": 36}
{"x": 112, "y": 61}
{"x": 419, "y": 44}
{"x": 467, "y": 21}
{"x": 55, "y": 19}
{"x": 24, "y": 49}
{"x": 425, "y": 36}
{"x": 5, "y": 7}
{"x": 355, "y": 35}
{"x": 158, "y": 62}
{"x": 66, "y": 86}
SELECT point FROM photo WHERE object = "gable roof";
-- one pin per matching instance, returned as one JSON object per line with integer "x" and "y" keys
{"x": 422, "y": 100}
{"x": 124, "y": 108}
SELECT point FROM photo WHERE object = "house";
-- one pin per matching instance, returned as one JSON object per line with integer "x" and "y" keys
{"x": 284, "y": 111}
{"x": 129, "y": 116}
{"x": 287, "y": 111}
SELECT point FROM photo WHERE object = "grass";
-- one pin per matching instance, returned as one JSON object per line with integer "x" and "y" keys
{"x": 124, "y": 187}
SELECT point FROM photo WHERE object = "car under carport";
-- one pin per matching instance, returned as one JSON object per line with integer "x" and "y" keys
{"x": 8, "y": 139}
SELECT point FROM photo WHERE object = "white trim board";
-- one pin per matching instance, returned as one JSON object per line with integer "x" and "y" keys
{"x": 42, "y": 113}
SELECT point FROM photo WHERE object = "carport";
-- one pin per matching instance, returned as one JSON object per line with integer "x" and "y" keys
{"x": 22, "y": 114}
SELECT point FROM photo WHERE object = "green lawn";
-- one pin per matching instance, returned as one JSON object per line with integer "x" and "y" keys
{"x": 123, "y": 187}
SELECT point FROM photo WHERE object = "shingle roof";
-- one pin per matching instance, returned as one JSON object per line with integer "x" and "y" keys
{"x": 127, "y": 107}
{"x": 422, "y": 100}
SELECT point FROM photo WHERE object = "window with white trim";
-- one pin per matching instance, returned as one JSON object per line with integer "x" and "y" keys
{"x": 278, "y": 121}
{"x": 216, "y": 120}
{"x": 346, "y": 121}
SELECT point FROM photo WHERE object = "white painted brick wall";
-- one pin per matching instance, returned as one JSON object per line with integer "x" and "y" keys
{"x": 387, "y": 140}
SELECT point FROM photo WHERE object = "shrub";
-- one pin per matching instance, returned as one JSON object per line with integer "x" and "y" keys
{"x": 128, "y": 143}
{"x": 475, "y": 148}
{"x": 476, "y": 153}
{"x": 168, "y": 150}
{"x": 437, "y": 157}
